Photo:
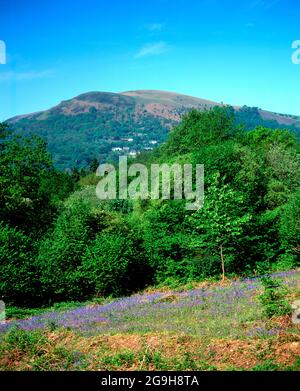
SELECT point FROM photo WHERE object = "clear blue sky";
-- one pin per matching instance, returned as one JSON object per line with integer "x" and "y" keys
{"x": 238, "y": 52}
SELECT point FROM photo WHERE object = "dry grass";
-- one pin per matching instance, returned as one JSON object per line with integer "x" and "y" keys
{"x": 151, "y": 351}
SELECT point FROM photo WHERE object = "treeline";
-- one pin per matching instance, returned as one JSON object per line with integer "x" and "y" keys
{"x": 59, "y": 242}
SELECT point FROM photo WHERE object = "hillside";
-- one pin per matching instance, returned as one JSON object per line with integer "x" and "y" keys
{"x": 104, "y": 124}
{"x": 208, "y": 327}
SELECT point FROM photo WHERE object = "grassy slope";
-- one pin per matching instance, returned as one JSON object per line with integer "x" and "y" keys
{"x": 206, "y": 326}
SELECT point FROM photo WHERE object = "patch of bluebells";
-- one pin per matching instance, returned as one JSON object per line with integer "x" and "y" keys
{"x": 262, "y": 331}
{"x": 187, "y": 312}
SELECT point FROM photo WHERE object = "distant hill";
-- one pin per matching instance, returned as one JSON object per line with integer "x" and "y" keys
{"x": 105, "y": 125}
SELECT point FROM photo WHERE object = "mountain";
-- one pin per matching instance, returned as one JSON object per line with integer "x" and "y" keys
{"x": 105, "y": 125}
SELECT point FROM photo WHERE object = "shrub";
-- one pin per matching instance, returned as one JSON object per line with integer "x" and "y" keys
{"x": 24, "y": 341}
{"x": 273, "y": 299}
{"x": 205, "y": 265}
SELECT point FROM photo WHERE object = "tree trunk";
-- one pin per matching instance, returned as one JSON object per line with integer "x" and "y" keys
{"x": 222, "y": 261}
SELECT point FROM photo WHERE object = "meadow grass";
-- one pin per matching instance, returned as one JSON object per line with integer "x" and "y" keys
{"x": 214, "y": 326}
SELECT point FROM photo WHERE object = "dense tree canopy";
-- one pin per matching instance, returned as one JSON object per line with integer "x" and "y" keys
{"x": 58, "y": 241}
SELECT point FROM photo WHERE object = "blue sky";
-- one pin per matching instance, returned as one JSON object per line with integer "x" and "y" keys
{"x": 237, "y": 52}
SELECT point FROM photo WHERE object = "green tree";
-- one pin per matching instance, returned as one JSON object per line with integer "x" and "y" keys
{"x": 199, "y": 128}
{"x": 221, "y": 222}
{"x": 24, "y": 164}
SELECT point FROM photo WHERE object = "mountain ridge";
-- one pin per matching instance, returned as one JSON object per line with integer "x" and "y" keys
{"x": 174, "y": 98}
{"x": 103, "y": 125}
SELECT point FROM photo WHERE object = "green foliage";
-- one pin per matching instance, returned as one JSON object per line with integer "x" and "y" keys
{"x": 219, "y": 226}
{"x": 267, "y": 365}
{"x": 58, "y": 186}
{"x": 266, "y": 137}
{"x": 24, "y": 341}
{"x": 30, "y": 187}
{"x": 114, "y": 264}
{"x": 198, "y": 129}
{"x": 31, "y": 192}
{"x": 29, "y": 347}
{"x": 220, "y": 157}
{"x": 165, "y": 241}
{"x": 289, "y": 226}
{"x": 78, "y": 246}
{"x": 118, "y": 360}
{"x": 122, "y": 206}
{"x": 18, "y": 282}
{"x": 61, "y": 252}
{"x": 273, "y": 299}
{"x": 12, "y": 312}
{"x": 4, "y": 131}
{"x": 90, "y": 251}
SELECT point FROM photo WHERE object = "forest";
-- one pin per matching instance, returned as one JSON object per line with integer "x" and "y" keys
{"x": 59, "y": 242}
